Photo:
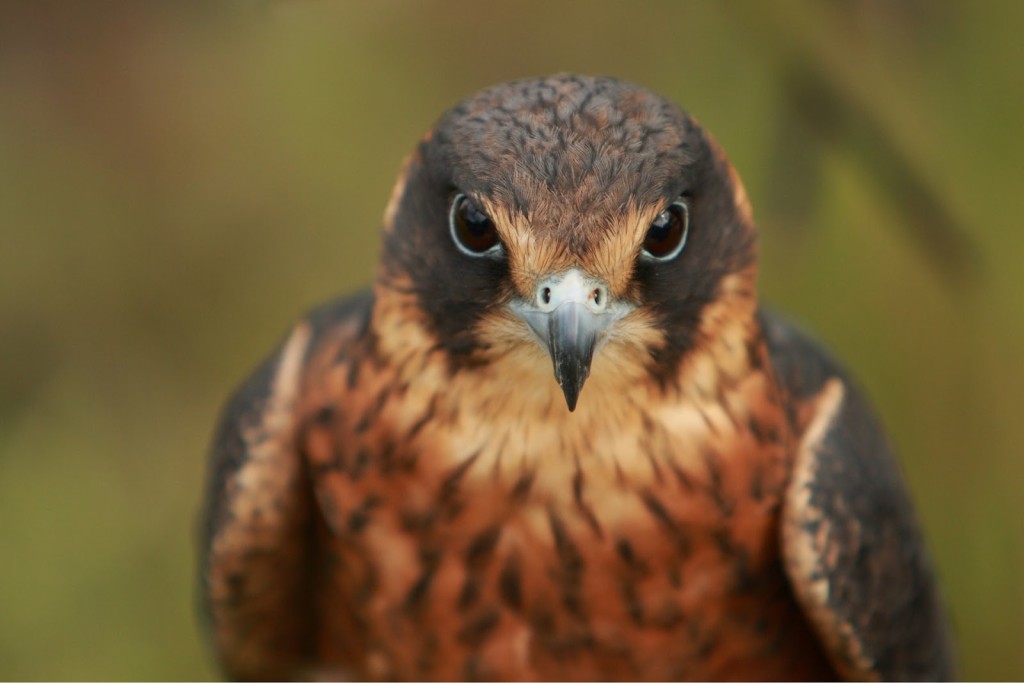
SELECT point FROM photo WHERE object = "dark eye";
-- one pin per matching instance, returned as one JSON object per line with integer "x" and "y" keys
{"x": 472, "y": 229}
{"x": 667, "y": 235}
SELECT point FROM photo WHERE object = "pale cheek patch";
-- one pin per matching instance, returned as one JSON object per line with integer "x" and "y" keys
{"x": 639, "y": 330}
{"x": 740, "y": 200}
{"x": 398, "y": 192}
{"x": 620, "y": 361}
{"x": 503, "y": 330}
{"x": 725, "y": 329}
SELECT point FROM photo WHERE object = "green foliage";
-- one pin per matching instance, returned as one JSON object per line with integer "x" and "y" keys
{"x": 177, "y": 185}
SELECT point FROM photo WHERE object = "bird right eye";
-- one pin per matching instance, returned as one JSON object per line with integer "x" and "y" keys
{"x": 472, "y": 230}
{"x": 667, "y": 235}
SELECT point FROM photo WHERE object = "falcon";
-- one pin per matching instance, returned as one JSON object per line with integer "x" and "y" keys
{"x": 559, "y": 438}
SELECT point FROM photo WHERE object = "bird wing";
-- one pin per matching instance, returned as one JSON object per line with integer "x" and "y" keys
{"x": 851, "y": 544}
{"x": 259, "y": 521}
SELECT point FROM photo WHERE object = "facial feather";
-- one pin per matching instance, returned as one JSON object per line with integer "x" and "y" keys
{"x": 573, "y": 173}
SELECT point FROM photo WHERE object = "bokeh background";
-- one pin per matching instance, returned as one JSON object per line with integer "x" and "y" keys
{"x": 179, "y": 181}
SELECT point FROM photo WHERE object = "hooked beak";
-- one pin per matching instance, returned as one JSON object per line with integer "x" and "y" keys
{"x": 570, "y": 313}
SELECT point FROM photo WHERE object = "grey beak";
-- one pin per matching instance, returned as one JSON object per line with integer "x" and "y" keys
{"x": 569, "y": 313}
{"x": 572, "y": 335}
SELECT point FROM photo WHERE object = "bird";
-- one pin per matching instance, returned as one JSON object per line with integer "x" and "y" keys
{"x": 559, "y": 436}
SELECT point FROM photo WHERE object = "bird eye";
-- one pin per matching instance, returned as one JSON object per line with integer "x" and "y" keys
{"x": 472, "y": 229}
{"x": 667, "y": 235}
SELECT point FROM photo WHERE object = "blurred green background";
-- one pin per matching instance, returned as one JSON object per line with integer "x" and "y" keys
{"x": 179, "y": 181}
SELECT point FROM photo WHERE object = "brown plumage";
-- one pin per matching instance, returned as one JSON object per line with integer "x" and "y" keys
{"x": 402, "y": 490}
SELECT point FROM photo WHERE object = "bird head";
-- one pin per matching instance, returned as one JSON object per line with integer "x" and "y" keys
{"x": 582, "y": 223}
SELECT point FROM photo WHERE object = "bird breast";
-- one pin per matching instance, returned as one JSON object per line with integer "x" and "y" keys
{"x": 473, "y": 529}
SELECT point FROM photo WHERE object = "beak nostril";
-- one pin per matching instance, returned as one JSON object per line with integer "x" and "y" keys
{"x": 573, "y": 287}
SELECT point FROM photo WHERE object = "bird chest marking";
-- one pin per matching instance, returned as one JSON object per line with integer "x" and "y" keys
{"x": 559, "y": 533}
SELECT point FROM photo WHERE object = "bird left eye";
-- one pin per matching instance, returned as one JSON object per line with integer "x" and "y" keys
{"x": 667, "y": 235}
{"x": 472, "y": 230}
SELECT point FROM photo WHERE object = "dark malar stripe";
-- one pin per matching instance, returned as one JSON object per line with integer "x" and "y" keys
{"x": 715, "y": 487}
{"x": 476, "y": 630}
{"x": 568, "y": 553}
{"x": 450, "y": 485}
{"x": 470, "y": 593}
{"x": 522, "y": 487}
{"x": 658, "y": 511}
{"x": 510, "y": 583}
{"x": 572, "y": 567}
{"x": 422, "y": 422}
{"x": 584, "y": 508}
{"x": 634, "y": 607}
{"x": 414, "y": 598}
{"x": 481, "y": 547}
